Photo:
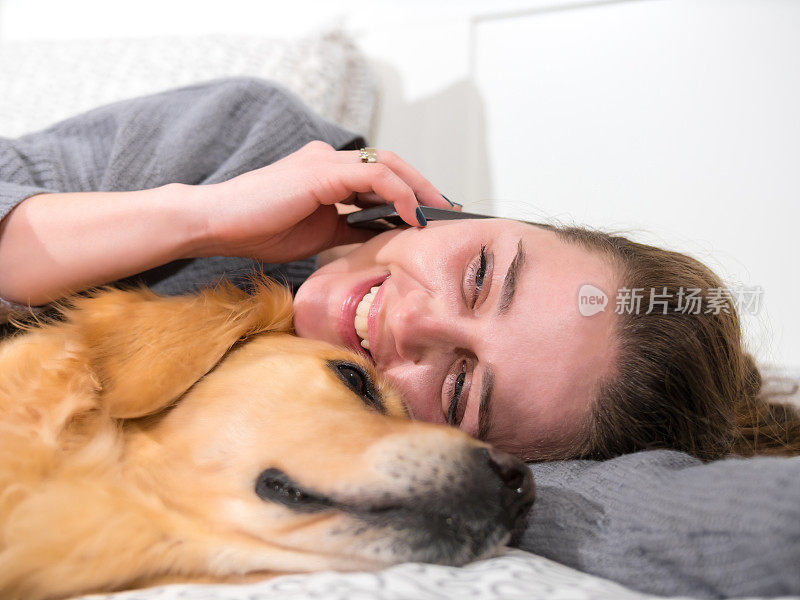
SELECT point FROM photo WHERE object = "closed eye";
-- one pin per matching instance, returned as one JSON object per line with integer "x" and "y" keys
{"x": 359, "y": 381}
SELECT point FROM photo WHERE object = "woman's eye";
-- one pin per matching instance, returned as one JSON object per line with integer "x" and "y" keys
{"x": 481, "y": 271}
{"x": 455, "y": 411}
{"x": 477, "y": 275}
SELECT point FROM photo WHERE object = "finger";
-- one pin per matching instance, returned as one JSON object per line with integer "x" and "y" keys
{"x": 372, "y": 199}
{"x": 368, "y": 199}
{"x": 380, "y": 179}
{"x": 351, "y": 199}
{"x": 344, "y": 234}
{"x": 453, "y": 205}
{"x": 424, "y": 190}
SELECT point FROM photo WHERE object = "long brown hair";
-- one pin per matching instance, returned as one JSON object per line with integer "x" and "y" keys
{"x": 682, "y": 379}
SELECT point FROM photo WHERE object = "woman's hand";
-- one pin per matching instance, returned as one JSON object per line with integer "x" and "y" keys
{"x": 72, "y": 241}
{"x": 285, "y": 211}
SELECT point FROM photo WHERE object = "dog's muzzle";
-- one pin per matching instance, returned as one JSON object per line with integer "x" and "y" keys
{"x": 451, "y": 517}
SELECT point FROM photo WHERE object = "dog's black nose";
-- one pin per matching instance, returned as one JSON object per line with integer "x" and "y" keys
{"x": 517, "y": 491}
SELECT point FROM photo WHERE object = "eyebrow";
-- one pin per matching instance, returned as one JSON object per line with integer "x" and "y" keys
{"x": 511, "y": 278}
{"x": 484, "y": 404}
{"x": 506, "y": 297}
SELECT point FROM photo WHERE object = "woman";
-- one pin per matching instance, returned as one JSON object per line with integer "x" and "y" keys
{"x": 477, "y": 322}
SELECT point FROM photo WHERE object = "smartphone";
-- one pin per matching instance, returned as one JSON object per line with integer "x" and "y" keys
{"x": 385, "y": 217}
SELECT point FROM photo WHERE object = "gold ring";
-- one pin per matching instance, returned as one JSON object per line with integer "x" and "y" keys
{"x": 369, "y": 155}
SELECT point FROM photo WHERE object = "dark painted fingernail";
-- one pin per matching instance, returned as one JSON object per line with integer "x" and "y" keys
{"x": 451, "y": 202}
{"x": 421, "y": 218}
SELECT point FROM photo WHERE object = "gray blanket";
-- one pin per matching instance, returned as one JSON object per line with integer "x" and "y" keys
{"x": 665, "y": 523}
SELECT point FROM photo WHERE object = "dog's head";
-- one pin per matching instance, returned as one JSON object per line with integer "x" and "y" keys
{"x": 244, "y": 449}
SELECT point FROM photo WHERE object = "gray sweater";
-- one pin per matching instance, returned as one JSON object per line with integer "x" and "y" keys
{"x": 201, "y": 134}
{"x": 660, "y": 521}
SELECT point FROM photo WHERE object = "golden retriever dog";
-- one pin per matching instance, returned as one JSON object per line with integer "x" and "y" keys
{"x": 148, "y": 439}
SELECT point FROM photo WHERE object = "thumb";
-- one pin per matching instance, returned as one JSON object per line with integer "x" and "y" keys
{"x": 344, "y": 234}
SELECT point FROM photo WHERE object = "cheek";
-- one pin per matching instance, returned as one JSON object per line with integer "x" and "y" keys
{"x": 434, "y": 240}
{"x": 418, "y": 250}
{"x": 360, "y": 256}
{"x": 420, "y": 390}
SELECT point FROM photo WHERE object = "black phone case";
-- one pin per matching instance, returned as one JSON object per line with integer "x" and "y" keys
{"x": 385, "y": 216}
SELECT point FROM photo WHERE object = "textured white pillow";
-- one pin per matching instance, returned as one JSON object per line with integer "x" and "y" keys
{"x": 44, "y": 82}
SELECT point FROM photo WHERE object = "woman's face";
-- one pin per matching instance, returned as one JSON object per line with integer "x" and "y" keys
{"x": 476, "y": 322}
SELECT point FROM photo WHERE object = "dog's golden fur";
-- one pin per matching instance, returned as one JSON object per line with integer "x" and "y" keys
{"x": 133, "y": 428}
{"x": 64, "y": 390}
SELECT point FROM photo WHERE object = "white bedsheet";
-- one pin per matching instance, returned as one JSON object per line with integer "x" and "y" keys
{"x": 516, "y": 574}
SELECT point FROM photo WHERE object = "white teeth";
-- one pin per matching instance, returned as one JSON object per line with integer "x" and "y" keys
{"x": 362, "y": 312}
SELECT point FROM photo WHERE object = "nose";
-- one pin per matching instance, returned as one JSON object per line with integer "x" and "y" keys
{"x": 455, "y": 494}
{"x": 517, "y": 491}
{"x": 420, "y": 322}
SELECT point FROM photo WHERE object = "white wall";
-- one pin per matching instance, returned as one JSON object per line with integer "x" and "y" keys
{"x": 675, "y": 117}
{"x": 679, "y": 117}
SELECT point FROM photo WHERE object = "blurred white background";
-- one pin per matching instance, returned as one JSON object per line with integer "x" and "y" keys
{"x": 676, "y": 120}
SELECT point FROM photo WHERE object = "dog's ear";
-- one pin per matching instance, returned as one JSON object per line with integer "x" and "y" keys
{"x": 147, "y": 350}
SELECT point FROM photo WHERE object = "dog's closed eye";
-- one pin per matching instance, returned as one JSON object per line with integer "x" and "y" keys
{"x": 354, "y": 377}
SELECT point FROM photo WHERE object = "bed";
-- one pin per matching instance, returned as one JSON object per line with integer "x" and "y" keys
{"x": 516, "y": 574}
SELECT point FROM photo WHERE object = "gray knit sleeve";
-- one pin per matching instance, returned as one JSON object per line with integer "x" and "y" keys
{"x": 205, "y": 133}
{"x": 665, "y": 523}
{"x": 200, "y": 134}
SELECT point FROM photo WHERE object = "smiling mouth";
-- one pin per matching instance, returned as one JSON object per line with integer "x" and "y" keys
{"x": 362, "y": 315}
{"x": 365, "y": 319}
